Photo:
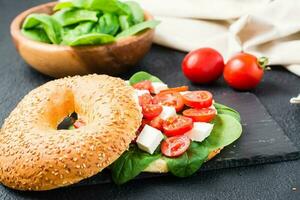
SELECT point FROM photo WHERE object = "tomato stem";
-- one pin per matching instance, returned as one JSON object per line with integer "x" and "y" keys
{"x": 263, "y": 62}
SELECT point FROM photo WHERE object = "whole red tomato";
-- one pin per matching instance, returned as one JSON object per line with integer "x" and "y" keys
{"x": 244, "y": 71}
{"x": 203, "y": 65}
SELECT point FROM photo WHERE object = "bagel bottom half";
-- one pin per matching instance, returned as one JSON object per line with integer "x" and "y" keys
{"x": 160, "y": 165}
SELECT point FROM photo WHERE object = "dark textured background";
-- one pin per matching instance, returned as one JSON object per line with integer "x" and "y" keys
{"x": 271, "y": 181}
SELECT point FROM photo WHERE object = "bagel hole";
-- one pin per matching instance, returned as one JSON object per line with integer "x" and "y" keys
{"x": 68, "y": 121}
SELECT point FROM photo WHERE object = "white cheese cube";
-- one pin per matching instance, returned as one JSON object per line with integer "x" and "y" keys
{"x": 183, "y": 93}
{"x": 167, "y": 111}
{"x": 149, "y": 139}
{"x": 141, "y": 92}
{"x": 200, "y": 131}
{"x": 157, "y": 87}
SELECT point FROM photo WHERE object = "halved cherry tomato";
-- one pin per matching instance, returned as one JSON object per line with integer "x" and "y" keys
{"x": 177, "y": 89}
{"x": 151, "y": 110}
{"x": 177, "y": 125}
{"x": 145, "y": 99}
{"x": 170, "y": 99}
{"x": 200, "y": 115}
{"x": 144, "y": 85}
{"x": 198, "y": 99}
{"x": 175, "y": 146}
{"x": 157, "y": 123}
{"x": 79, "y": 123}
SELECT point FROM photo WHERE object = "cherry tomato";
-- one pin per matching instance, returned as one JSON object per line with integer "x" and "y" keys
{"x": 79, "y": 123}
{"x": 175, "y": 146}
{"x": 177, "y": 125}
{"x": 200, "y": 115}
{"x": 177, "y": 89}
{"x": 203, "y": 65}
{"x": 198, "y": 99}
{"x": 144, "y": 85}
{"x": 151, "y": 110}
{"x": 170, "y": 99}
{"x": 145, "y": 99}
{"x": 244, "y": 71}
{"x": 157, "y": 123}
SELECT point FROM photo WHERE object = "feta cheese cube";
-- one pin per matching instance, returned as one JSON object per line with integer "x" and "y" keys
{"x": 183, "y": 93}
{"x": 141, "y": 92}
{"x": 149, "y": 139}
{"x": 167, "y": 111}
{"x": 200, "y": 131}
{"x": 157, "y": 87}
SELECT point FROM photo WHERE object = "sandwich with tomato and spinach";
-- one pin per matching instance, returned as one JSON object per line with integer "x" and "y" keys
{"x": 180, "y": 131}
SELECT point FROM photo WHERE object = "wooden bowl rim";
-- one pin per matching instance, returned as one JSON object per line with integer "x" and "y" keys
{"x": 16, "y": 24}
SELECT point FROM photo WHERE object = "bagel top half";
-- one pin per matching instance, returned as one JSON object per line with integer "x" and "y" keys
{"x": 34, "y": 155}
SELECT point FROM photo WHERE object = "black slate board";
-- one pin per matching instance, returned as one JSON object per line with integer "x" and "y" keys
{"x": 262, "y": 140}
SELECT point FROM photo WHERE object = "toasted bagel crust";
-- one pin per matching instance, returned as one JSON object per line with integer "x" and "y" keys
{"x": 160, "y": 165}
{"x": 34, "y": 155}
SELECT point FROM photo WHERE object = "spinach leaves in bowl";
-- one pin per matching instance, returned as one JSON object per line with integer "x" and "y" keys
{"x": 87, "y": 22}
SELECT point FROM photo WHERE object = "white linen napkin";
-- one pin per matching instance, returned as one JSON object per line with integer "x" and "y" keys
{"x": 261, "y": 27}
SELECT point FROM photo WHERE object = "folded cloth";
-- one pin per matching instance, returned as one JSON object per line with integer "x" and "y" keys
{"x": 260, "y": 27}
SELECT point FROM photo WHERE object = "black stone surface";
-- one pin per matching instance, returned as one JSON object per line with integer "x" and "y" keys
{"x": 270, "y": 181}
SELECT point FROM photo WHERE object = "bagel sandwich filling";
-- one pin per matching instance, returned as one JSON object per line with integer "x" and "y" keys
{"x": 180, "y": 130}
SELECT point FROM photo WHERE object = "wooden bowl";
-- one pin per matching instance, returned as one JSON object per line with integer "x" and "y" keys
{"x": 60, "y": 61}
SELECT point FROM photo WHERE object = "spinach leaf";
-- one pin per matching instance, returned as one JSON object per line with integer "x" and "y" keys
{"x": 112, "y": 6}
{"x": 138, "y": 28}
{"x": 226, "y": 130}
{"x": 51, "y": 27}
{"x": 81, "y": 29}
{"x": 130, "y": 164}
{"x": 37, "y": 34}
{"x": 91, "y": 39}
{"x": 189, "y": 162}
{"x": 222, "y": 109}
{"x": 125, "y": 22}
{"x": 72, "y": 4}
{"x": 136, "y": 11}
{"x": 141, "y": 76}
{"x": 63, "y": 5}
{"x": 107, "y": 24}
{"x": 68, "y": 17}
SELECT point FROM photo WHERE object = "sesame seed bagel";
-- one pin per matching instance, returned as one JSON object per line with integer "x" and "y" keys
{"x": 161, "y": 166}
{"x": 34, "y": 155}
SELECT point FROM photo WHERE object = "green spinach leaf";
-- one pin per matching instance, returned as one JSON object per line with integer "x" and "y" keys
{"x": 73, "y": 4}
{"x": 130, "y": 164}
{"x": 189, "y": 162}
{"x": 226, "y": 130}
{"x": 37, "y": 34}
{"x": 141, "y": 76}
{"x": 51, "y": 27}
{"x": 63, "y": 5}
{"x": 113, "y": 6}
{"x": 138, "y": 28}
{"x": 107, "y": 24}
{"x": 81, "y": 29}
{"x": 73, "y": 16}
{"x": 125, "y": 22}
{"x": 91, "y": 39}
{"x": 222, "y": 109}
{"x": 136, "y": 11}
